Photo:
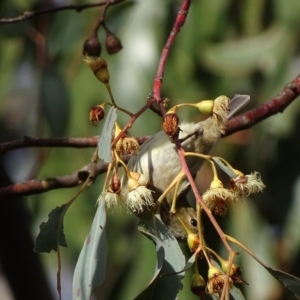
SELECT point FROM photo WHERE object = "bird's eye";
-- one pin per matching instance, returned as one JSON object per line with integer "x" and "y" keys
{"x": 193, "y": 222}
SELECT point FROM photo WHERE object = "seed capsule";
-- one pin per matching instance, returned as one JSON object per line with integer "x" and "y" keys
{"x": 112, "y": 43}
{"x": 92, "y": 46}
{"x": 115, "y": 184}
{"x": 97, "y": 113}
{"x": 99, "y": 66}
{"x": 170, "y": 124}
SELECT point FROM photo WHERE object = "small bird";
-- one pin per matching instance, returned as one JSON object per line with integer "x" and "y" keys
{"x": 159, "y": 162}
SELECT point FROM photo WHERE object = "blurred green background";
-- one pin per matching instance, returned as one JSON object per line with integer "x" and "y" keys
{"x": 226, "y": 47}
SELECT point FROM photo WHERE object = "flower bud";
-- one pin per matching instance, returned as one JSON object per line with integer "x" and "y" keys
{"x": 140, "y": 178}
{"x": 99, "y": 66}
{"x": 235, "y": 272}
{"x": 132, "y": 184}
{"x": 198, "y": 285}
{"x": 216, "y": 184}
{"x": 92, "y": 46}
{"x": 115, "y": 183}
{"x": 97, "y": 113}
{"x": 206, "y": 107}
{"x": 193, "y": 241}
{"x": 170, "y": 124}
{"x": 165, "y": 102}
{"x": 216, "y": 281}
{"x": 112, "y": 43}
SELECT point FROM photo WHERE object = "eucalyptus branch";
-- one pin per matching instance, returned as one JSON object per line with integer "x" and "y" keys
{"x": 78, "y": 8}
{"x": 199, "y": 200}
{"x": 180, "y": 19}
{"x": 179, "y": 22}
{"x": 61, "y": 142}
{"x": 36, "y": 186}
{"x": 155, "y": 96}
{"x": 27, "y": 141}
{"x": 278, "y": 104}
{"x": 290, "y": 92}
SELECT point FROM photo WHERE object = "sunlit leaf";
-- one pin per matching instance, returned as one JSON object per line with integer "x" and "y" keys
{"x": 168, "y": 284}
{"x": 52, "y": 232}
{"x": 90, "y": 270}
{"x": 104, "y": 151}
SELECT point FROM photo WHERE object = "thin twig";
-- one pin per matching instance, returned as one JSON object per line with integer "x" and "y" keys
{"x": 158, "y": 80}
{"x": 36, "y": 186}
{"x": 284, "y": 98}
{"x": 78, "y": 8}
{"x": 61, "y": 142}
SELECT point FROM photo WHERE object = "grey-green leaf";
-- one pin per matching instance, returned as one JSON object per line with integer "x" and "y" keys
{"x": 224, "y": 168}
{"x": 90, "y": 270}
{"x": 168, "y": 284}
{"x": 160, "y": 253}
{"x": 104, "y": 151}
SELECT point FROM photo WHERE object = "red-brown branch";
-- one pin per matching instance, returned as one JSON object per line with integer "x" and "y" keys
{"x": 290, "y": 92}
{"x": 37, "y": 186}
{"x": 81, "y": 142}
{"x": 78, "y": 8}
{"x": 180, "y": 19}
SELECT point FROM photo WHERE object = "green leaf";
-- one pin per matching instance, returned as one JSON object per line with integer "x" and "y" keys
{"x": 90, "y": 270}
{"x": 52, "y": 232}
{"x": 289, "y": 281}
{"x": 241, "y": 57}
{"x": 190, "y": 262}
{"x": 70, "y": 32}
{"x": 104, "y": 151}
{"x": 55, "y": 101}
{"x": 168, "y": 284}
{"x": 160, "y": 252}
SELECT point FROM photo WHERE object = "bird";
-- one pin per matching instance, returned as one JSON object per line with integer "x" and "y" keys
{"x": 158, "y": 160}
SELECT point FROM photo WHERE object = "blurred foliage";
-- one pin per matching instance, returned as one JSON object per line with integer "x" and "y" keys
{"x": 225, "y": 47}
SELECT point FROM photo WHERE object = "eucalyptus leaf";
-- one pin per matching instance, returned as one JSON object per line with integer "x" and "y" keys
{"x": 168, "y": 284}
{"x": 90, "y": 270}
{"x": 104, "y": 149}
{"x": 236, "y": 294}
{"x": 224, "y": 168}
{"x": 52, "y": 232}
{"x": 55, "y": 101}
{"x": 190, "y": 262}
{"x": 160, "y": 252}
{"x": 289, "y": 281}
{"x": 243, "y": 56}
